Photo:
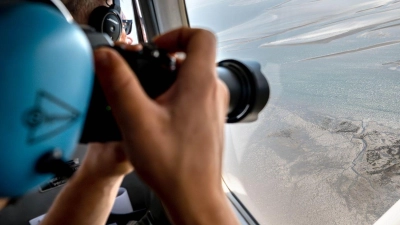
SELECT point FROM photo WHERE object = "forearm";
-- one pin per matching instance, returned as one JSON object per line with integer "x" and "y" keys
{"x": 85, "y": 200}
{"x": 201, "y": 209}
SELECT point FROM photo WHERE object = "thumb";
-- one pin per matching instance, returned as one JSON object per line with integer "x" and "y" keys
{"x": 129, "y": 103}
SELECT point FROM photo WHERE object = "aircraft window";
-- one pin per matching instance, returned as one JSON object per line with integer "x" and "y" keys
{"x": 326, "y": 149}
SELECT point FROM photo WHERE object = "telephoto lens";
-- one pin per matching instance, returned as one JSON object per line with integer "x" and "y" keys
{"x": 156, "y": 72}
{"x": 248, "y": 88}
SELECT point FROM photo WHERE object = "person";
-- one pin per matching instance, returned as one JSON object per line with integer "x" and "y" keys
{"x": 81, "y": 11}
{"x": 175, "y": 142}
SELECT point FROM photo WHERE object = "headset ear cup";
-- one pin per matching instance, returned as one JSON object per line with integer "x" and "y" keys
{"x": 106, "y": 20}
{"x": 97, "y": 16}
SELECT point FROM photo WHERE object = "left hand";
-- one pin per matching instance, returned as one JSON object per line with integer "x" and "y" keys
{"x": 89, "y": 195}
{"x": 106, "y": 160}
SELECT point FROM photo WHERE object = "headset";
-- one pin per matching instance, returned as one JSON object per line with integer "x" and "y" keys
{"x": 47, "y": 75}
{"x": 107, "y": 20}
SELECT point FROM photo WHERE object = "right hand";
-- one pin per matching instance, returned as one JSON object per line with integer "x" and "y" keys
{"x": 175, "y": 142}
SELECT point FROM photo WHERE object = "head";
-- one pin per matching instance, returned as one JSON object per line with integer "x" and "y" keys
{"x": 92, "y": 12}
{"x": 81, "y": 9}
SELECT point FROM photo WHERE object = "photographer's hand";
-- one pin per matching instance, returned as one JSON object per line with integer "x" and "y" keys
{"x": 175, "y": 142}
{"x": 89, "y": 195}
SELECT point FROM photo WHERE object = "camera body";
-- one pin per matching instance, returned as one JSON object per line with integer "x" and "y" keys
{"x": 155, "y": 71}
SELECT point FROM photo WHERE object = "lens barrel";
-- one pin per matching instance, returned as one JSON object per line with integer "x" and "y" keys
{"x": 248, "y": 88}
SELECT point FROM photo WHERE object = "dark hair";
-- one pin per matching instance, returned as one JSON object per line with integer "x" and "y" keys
{"x": 81, "y": 9}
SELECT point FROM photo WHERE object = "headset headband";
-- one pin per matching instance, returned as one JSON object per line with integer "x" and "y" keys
{"x": 117, "y": 6}
{"x": 59, "y": 6}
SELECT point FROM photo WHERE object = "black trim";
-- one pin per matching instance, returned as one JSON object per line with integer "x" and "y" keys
{"x": 243, "y": 211}
{"x": 186, "y": 13}
{"x": 146, "y": 20}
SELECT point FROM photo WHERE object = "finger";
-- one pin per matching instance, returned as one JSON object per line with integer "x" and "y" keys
{"x": 179, "y": 59}
{"x": 128, "y": 101}
{"x": 224, "y": 92}
{"x": 200, "y": 48}
{"x": 128, "y": 47}
{"x": 179, "y": 39}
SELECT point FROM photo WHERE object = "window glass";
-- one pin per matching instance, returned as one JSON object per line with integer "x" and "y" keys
{"x": 326, "y": 149}
{"x": 128, "y": 20}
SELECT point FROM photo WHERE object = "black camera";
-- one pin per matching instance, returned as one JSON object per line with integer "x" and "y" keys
{"x": 155, "y": 69}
